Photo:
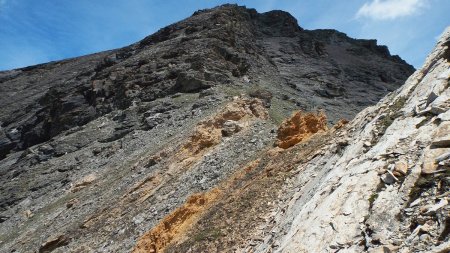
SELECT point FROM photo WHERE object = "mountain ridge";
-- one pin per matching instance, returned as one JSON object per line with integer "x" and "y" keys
{"x": 99, "y": 151}
{"x": 87, "y": 84}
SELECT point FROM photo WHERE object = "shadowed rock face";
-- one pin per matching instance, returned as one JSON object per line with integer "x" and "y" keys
{"x": 217, "y": 47}
{"x": 94, "y": 149}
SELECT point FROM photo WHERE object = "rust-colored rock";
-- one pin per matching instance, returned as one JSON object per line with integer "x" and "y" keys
{"x": 175, "y": 223}
{"x": 300, "y": 126}
{"x": 209, "y": 132}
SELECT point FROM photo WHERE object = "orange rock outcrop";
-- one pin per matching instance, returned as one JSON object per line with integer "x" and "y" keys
{"x": 208, "y": 133}
{"x": 176, "y": 223}
{"x": 300, "y": 126}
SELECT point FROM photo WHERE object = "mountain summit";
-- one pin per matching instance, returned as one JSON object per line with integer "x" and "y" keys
{"x": 226, "y": 132}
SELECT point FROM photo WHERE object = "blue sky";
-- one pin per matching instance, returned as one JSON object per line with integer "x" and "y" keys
{"x": 37, "y": 31}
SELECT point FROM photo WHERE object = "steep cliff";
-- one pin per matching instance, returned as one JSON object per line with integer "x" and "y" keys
{"x": 173, "y": 143}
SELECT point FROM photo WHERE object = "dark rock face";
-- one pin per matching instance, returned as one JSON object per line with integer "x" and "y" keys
{"x": 320, "y": 68}
{"x": 64, "y": 119}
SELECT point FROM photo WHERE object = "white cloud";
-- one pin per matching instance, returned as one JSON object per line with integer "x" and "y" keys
{"x": 390, "y": 9}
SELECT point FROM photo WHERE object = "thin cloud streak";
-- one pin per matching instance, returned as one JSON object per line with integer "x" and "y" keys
{"x": 390, "y": 9}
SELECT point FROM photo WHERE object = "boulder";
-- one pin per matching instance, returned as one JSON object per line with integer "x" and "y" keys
{"x": 54, "y": 243}
{"x": 441, "y": 138}
{"x": 264, "y": 95}
{"x": 187, "y": 82}
{"x": 388, "y": 178}
{"x": 230, "y": 127}
{"x": 154, "y": 120}
{"x": 430, "y": 164}
{"x": 400, "y": 168}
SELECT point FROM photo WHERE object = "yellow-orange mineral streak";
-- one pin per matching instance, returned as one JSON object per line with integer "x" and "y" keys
{"x": 175, "y": 223}
{"x": 299, "y": 127}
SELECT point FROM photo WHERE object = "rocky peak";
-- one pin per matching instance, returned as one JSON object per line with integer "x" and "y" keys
{"x": 279, "y": 23}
